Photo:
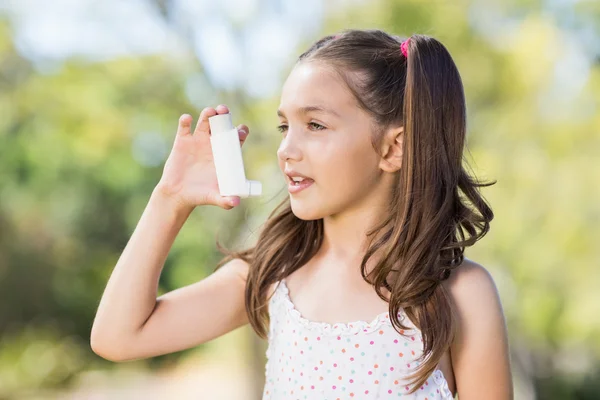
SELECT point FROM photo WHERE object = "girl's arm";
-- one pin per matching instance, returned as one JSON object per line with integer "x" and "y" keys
{"x": 131, "y": 323}
{"x": 480, "y": 352}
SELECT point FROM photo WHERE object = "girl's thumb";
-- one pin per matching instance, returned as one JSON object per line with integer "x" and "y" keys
{"x": 233, "y": 201}
{"x": 227, "y": 202}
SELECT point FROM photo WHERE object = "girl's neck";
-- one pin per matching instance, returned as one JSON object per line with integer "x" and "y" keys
{"x": 345, "y": 236}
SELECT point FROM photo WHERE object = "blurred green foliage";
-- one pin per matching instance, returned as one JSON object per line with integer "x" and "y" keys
{"x": 82, "y": 146}
{"x": 81, "y": 149}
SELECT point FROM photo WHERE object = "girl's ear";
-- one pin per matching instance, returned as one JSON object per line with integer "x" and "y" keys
{"x": 391, "y": 151}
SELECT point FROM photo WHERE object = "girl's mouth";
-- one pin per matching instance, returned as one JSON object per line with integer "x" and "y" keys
{"x": 296, "y": 187}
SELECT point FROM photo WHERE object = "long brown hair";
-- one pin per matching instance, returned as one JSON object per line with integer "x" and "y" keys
{"x": 436, "y": 209}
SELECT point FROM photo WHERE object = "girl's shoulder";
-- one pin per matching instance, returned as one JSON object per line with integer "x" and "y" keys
{"x": 470, "y": 283}
{"x": 473, "y": 292}
{"x": 481, "y": 337}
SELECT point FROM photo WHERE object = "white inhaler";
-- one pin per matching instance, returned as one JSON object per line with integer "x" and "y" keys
{"x": 227, "y": 154}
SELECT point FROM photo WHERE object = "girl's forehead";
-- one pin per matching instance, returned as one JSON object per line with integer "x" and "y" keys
{"x": 311, "y": 84}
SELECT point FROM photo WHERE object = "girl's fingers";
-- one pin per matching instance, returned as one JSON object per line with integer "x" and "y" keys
{"x": 243, "y": 128}
{"x": 202, "y": 126}
{"x": 222, "y": 109}
{"x": 185, "y": 123}
{"x": 243, "y": 133}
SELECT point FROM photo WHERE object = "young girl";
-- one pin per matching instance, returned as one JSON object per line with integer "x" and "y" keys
{"x": 358, "y": 279}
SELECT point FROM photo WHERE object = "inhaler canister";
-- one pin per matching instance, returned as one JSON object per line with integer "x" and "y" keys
{"x": 227, "y": 154}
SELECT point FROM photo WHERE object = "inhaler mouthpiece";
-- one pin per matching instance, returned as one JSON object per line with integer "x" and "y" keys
{"x": 227, "y": 155}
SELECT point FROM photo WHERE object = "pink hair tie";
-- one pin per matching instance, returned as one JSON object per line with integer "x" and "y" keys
{"x": 404, "y": 47}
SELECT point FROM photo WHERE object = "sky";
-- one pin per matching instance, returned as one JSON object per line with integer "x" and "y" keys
{"x": 240, "y": 43}
{"x": 249, "y": 44}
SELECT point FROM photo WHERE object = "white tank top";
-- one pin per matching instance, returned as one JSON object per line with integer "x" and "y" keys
{"x": 358, "y": 360}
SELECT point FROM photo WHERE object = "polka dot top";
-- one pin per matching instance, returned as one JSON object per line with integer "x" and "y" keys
{"x": 358, "y": 360}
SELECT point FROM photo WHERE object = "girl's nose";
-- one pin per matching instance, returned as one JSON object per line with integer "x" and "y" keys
{"x": 288, "y": 150}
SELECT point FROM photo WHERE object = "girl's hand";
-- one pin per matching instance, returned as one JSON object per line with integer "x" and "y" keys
{"x": 189, "y": 175}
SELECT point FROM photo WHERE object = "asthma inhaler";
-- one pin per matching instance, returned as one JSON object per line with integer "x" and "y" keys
{"x": 227, "y": 154}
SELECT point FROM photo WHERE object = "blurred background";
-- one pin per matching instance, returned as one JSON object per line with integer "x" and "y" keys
{"x": 90, "y": 94}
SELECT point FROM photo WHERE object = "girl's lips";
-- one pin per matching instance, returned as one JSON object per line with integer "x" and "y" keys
{"x": 295, "y": 188}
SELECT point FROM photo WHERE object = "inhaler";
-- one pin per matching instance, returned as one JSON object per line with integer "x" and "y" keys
{"x": 227, "y": 154}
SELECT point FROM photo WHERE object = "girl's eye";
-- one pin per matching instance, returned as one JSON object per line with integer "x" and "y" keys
{"x": 282, "y": 128}
{"x": 314, "y": 126}
{"x": 318, "y": 127}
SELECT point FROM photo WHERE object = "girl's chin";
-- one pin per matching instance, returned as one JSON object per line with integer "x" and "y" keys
{"x": 306, "y": 213}
{"x": 307, "y": 216}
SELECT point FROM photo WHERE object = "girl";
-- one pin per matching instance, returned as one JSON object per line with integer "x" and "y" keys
{"x": 358, "y": 279}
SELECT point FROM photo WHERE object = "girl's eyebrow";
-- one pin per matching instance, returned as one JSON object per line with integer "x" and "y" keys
{"x": 307, "y": 109}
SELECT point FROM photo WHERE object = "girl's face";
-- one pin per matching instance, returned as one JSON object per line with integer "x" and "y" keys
{"x": 327, "y": 138}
